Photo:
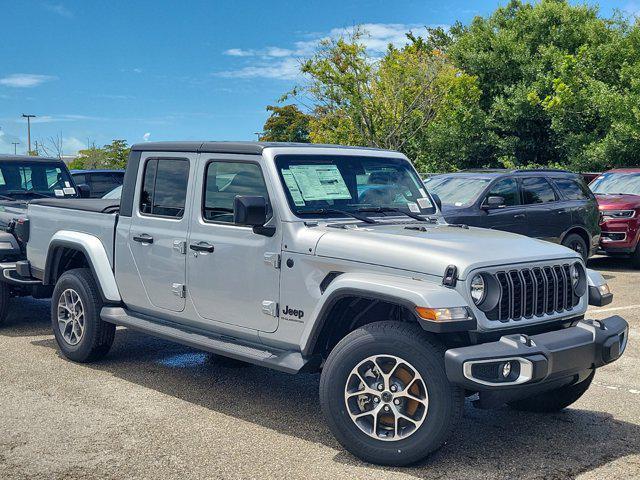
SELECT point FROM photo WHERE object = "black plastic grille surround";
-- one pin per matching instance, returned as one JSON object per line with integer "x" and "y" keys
{"x": 529, "y": 292}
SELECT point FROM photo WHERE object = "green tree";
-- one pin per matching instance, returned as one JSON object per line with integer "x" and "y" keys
{"x": 286, "y": 124}
{"x": 113, "y": 155}
{"x": 395, "y": 102}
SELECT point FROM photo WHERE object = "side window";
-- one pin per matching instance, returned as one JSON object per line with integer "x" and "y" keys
{"x": 537, "y": 190}
{"x": 102, "y": 183}
{"x": 572, "y": 189}
{"x": 164, "y": 187}
{"x": 79, "y": 178}
{"x": 223, "y": 182}
{"x": 506, "y": 188}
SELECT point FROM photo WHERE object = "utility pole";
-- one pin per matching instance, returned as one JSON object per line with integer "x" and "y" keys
{"x": 28, "y": 117}
{"x": 258, "y": 135}
{"x": 15, "y": 147}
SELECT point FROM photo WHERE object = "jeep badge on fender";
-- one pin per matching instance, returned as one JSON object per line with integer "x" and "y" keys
{"x": 292, "y": 313}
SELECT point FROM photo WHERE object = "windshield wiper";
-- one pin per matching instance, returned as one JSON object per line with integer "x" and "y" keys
{"x": 393, "y": 210}
{"x": 27, "y": 192}
{"x": 324, "y": 211}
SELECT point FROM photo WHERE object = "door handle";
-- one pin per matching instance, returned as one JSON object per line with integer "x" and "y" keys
{"x": 144, "y": 238}
{"x": 202, "y": 247}
{"x": 519, "y": 215}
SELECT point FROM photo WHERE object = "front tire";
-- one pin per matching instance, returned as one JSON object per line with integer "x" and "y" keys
{"x": 5, "y": 301}
{"x": 635, "y": 258}
{"x": 402, "y": 367}
{"x": 81, "y": 334}
{"x": 554, "y": 400}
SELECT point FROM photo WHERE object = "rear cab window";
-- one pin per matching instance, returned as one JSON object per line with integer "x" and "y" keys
{"x": 164, "y": 187}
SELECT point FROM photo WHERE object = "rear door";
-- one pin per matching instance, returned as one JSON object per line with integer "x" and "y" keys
{"x": 509, "y": 218}
{"x": 546, "y": 216}
{"x": 158, "y": 233}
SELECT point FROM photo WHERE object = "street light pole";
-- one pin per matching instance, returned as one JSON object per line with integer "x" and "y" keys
{"x": 15, "y": 147}
{"x": 28, "y": 117}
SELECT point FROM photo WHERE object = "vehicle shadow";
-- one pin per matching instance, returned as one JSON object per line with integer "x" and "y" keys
{"x": 487, "y": 444}
{"x": 614, "y": 264}
{"x": 27, "y": 317}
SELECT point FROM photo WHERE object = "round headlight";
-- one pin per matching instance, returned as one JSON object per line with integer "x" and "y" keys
{"x": 478, "y": 290}
{"x": 574, "y": 273}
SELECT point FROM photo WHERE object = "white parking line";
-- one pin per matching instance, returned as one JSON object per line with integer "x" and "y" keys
{"x": 614, "y": 387}
{"x": 599, "y": 310}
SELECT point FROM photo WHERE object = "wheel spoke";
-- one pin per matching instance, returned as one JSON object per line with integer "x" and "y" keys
{"x": 71, "y": 316}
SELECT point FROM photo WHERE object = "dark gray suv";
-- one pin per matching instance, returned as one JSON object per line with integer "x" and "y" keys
{"x": 552, "y": 205}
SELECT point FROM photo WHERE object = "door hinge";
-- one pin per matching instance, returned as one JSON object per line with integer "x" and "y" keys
{"x": 272, "y": 259}
{"x": 179, "y": 289}
{"x": 270, "y": 307}
{"x": 180, "y": 246}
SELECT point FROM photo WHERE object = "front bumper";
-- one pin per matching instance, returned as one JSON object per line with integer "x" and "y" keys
{"x": 537, "y": 360}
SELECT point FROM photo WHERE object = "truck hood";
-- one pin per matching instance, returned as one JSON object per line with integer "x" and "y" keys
{"x": 618, "y": 201}
{"x": 434, "y": 247}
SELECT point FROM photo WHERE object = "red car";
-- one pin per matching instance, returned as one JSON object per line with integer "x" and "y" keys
{"x": 618, "y": 194}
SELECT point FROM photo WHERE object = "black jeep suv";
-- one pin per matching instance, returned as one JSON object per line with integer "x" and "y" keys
{"x": 553, "y": 205}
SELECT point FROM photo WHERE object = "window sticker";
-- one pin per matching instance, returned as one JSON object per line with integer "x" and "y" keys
{"x": 69, "y": 191}
{"x": 424, "y": 203}
{"x": 67, "y": 184}
{"x": 58, "y": 193}
{"x": 422, "y": 192}
{"x": 320, "y": 182}
{"x": 293, "y": 188}
{"x": 413, "y": 207}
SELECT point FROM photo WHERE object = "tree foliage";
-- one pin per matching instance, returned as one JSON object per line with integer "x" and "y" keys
{"x": 545, "y": 83}
{"x": 113, "y": 155}
{"x": 286, "y": 124}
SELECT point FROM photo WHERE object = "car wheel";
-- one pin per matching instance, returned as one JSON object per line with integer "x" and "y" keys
{"x": 5, "y": 301}
{"x": 385, "y": 394}
{"x": 576, "y": 243}
{"x": 554, "y": 400}
{"x": 75, "y": 317}
{"x": 635, "y": 257}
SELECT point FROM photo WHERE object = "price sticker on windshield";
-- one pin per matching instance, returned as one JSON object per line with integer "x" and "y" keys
{"x": 69, "y": 191}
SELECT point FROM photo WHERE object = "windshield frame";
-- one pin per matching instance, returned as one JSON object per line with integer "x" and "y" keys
{"x": 334, "y": 158}
{"x": 34, "y": 164}
{"x": 603, "y": 177}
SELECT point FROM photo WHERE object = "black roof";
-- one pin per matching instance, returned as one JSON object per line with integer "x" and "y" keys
{"x": 27, "y": 158}
{"x": 253, "y": 148}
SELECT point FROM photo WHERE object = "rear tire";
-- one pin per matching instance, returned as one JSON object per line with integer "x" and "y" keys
{"x": 75, "y": 317}
{"x": 5, "y": 301}
{"x": 385, "y": 437}
{"x": 554, "y": 400}
{"x": 576, "y": 243}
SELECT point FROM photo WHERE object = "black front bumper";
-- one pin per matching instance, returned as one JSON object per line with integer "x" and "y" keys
{"x": 537, "y": 360}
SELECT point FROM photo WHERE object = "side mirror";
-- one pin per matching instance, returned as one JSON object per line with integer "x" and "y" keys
{"x": 84, "y": 190}
{"x": 252, "y": 212}
{"x": 437, "y": 200}
{"x": 493, "y": 202}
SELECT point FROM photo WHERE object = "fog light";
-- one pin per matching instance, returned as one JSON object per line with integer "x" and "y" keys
{"x": 506, "y": 370}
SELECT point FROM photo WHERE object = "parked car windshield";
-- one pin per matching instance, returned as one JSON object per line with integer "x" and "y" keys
{"x": 616, "y": 182}
{"x": 35, "y": 179}
{"x": 456, "y": 190}
{"x": 320, "y": 185}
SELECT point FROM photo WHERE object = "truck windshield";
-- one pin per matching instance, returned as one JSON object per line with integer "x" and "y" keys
{"x": 322, "y": 185}
{"x": 456, "y": 191}
{"x": 35, "y": 179}
{"x": 616, "y": 182}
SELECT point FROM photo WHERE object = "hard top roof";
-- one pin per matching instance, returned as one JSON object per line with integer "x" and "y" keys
{"x": 26, "y": 158}
{"x": 253, "y": 148}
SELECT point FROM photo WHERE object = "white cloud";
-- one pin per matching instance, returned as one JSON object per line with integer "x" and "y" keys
{"x": 146, "y": 136}
{"x": 71, "y": 145}
{"x": 25, "y": 80}
{"x": 283, "y": 63}
{"x": 58, "y": 9}
{"x": 6, "y": 143}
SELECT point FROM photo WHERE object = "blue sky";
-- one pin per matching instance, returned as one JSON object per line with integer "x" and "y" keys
{"x": 165, "y": 70}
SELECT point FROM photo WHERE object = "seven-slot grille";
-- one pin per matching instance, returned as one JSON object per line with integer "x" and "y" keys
{"x": 537, "y": 291}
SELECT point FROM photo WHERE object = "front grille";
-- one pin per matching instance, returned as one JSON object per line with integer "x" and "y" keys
{"x": 530, "y": 292}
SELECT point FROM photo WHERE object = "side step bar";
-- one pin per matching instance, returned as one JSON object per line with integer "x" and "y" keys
{"x": 285, "y": 361}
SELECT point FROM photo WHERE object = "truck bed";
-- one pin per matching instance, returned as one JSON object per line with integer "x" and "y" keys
{"x": 95, "y": 217}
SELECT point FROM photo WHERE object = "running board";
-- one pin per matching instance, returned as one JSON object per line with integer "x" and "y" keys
{"x": 285, "y": 361}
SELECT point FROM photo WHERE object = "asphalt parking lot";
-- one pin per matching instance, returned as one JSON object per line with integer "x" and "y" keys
{"x": 153, "y": 409}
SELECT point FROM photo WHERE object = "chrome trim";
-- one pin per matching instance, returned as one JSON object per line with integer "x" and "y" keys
{"x": 526, "y": 371}
{"x": 604, "y": 238}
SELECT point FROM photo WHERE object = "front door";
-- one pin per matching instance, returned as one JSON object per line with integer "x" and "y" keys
{"x": 158, "y": 234}
{"x": 511, "y": 216}
{"x": 232, "y": 272}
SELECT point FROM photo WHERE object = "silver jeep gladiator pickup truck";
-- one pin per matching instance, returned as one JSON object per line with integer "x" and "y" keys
{"x": 324, "y": 258}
